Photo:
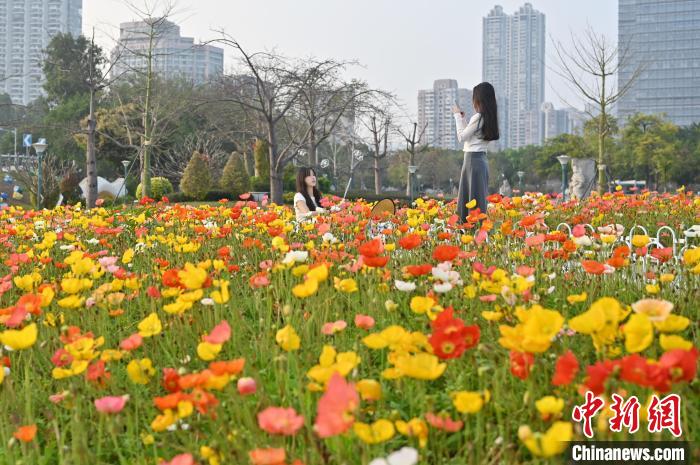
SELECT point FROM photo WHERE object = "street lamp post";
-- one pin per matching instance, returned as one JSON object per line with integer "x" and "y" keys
{"x": 125, "y": 164}
{"x": 520, "y": 181}
{"x": 564, "y": 161}
{"x": 40, "y": 148}
{"x": 411, "y": 172}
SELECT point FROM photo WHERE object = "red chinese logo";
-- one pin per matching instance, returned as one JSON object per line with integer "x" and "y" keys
{"x": 586, "y": 412}
{"x": 662, "y": 414}
{"x": 665, "y": 414}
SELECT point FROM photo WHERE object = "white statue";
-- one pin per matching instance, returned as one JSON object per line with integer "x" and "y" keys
{"x": 105, "y": 189}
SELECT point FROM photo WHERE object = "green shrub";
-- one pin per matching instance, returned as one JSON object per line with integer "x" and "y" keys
{"x": 262, "y": 160}
{"x": 159, "y": 188}
{"x": 258, "y": 184}
{"x": 196, "y": 180}
{"x": 234, "y": 178}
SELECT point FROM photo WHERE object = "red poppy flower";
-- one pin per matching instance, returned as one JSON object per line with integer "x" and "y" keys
{"x": 410, "y": 241}
{"x": 662, "y": 254}
{"x": 597, "y": 375}
{"x": 593, "y": 267}
{"x": 521, "y": 364}
{"x": 445, "y": 252}
{"x": 371, "y": 248}
{"x": 170, "y": 278}
{"x": 376, "y": 262}
{"x": 565, "y": 369}
{"x": 419, "y": 270}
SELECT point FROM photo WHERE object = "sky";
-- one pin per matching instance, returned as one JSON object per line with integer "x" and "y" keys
{"x": 402, "y": 45}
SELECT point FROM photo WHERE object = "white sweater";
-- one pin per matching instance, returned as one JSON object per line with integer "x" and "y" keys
{"x": 470, "y": 133}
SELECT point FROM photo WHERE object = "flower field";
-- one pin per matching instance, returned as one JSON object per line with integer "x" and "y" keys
{"x": 228, "y": 334}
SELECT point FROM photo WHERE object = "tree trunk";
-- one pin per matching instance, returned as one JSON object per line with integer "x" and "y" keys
{"x": 409, "y": 178}
{"x": 249, "y": 163}
{"x": 146, "y": 154}
{"x": 276, "y": 172}
{"x": 377, "y": 177}
{"x": 91, "y": 161}
{"x": 313, "y": 155}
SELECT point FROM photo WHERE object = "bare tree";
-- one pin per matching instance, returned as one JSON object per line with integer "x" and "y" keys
{"x": 414, "y": 144}
{"x": 590, "y": 66}
{"x": 270, "y": 87}
{"x": 172, "y": 163}
{"x": 154, "y": 16}
{"x": 377, "y": 122}
{"x": 325, "y": 99}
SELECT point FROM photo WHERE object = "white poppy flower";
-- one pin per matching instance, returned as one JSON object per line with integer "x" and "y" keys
{"x": 441, "y": 288}
{"x": 207, "y": 301}
{"x": 584, "y": 241}
{"x": 405, "y": 286}
{"x": 403, "y": 456}
{"x": 295, "y": 256}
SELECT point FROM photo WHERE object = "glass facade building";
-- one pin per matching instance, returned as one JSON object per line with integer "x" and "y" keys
{"x": 663, "y": 38}
{"x": 513, "y": 61}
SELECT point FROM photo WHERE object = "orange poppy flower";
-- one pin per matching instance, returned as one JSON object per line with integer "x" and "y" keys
{"x": 593, "y": 267}
{"x": 227, "y": 367}
{"x": 25, "y": 433}
{"x": 269, "y": 456}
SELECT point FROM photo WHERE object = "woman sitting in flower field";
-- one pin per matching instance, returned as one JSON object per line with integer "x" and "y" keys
{"x": 307, "y": 200}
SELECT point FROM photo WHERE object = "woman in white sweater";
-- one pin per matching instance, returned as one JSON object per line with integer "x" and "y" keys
{"x": 476, "y": 134}
{"x": 307, "y": 200}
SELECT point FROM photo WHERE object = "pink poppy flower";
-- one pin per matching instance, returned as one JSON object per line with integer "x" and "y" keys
{"x": 111, "y": 404}
{"x": 278, "y": 420}
{"x": 331, "y": 328}
{"x": 246, "y": 386}
{"x": 132, "y": 342}
{"x": 336, "y": 408}
{"x": 364, "y": 321}
{"x": 182, "y": 459}
{"x": 220, "y": 334}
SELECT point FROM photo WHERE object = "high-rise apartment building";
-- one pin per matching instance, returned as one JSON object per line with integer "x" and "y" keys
{"x": 562, "y": 121}
{"x": 662, "y": 37}
{"x": 435, "y": 112}
{"x": 26, "y": 28}
{"x": 174, "y": 56}
{"x": 513, "y": 61}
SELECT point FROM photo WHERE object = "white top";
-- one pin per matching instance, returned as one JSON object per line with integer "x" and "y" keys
{"x": 470, "y": 133}
{"x": 300, "y": 197}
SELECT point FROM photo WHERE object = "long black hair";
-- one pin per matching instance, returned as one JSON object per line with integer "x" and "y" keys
{"x": 484, "y": 99}
{"x": 303, "y": 172}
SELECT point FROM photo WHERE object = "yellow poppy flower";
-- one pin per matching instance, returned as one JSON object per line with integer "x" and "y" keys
{"x": 140, "y": 371}
{"x": 419, "y": 366}
{"x": 416, "y": 428}
{"x": 672, "y": 324}
{"x": 576, "y": 298}
{"x": 208, "y": 351}
{"x": 379, "y": 431}
{"x": 369, "y": 389}
{"x": 150, "y": 326}
{"x": 553, "y": 442}
{"x": 470, "y": 401}
{"x": 305, "y": 289}
{"x": 670, "y": 342}
{"x": 420, "y": 304}
{"x": 288, "y": 339}
{"x": 72, "y": 301}
{"x": 319, "y": 273}
{"x": 639, "y": 333}
{"x": 19, "y": 339}
{"x": 549, "y": 406}
{"x": 345, "y": 285}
